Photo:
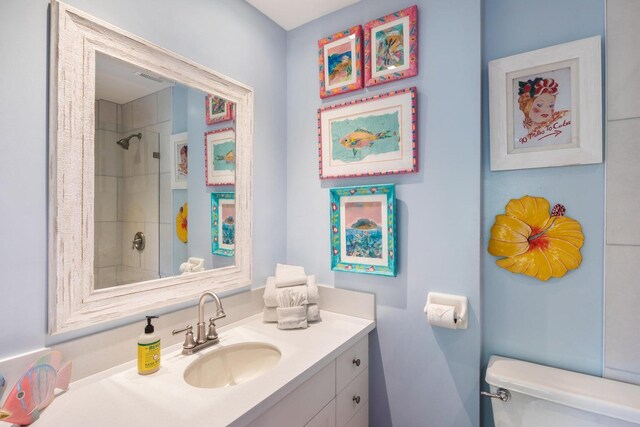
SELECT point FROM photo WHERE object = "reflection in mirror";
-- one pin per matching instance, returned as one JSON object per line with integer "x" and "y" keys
{"x": 164, "y": 203}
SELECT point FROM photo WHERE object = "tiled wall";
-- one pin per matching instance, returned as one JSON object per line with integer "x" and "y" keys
{"x": 622, "y": 269}
{"x": 133, "y": 190}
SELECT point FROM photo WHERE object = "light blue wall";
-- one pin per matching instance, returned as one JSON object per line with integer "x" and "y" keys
{"x": 557, "y": 323}
{"x": 419, "y": 375}
{"x": 228, "y": 36}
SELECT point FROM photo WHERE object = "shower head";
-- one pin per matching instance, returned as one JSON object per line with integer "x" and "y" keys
{"x": 124, "y": 142}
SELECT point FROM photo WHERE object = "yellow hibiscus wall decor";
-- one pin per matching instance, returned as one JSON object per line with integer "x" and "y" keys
{"x": 182, "y": 230}
{"x": 534, "y": 241}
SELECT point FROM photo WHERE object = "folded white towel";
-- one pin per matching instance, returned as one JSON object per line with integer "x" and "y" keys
{"x": 289, "y": 275}
{"x": 292, "y": 317}
{"x": 270, "y": 314}
{"x": 310, "y": 291}
{"x": 313, "y": 312}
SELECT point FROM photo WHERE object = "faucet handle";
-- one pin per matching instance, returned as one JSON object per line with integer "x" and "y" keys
{"x": 212, "y": 334}
{"x": 189, "y": 342}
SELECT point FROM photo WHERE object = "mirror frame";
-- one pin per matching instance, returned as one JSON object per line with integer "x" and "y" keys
{"x": 73, "y": 302}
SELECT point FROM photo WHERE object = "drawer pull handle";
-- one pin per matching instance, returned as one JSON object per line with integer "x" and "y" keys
{"x": 356, "y": 399}
{"x": 356, "y": 362}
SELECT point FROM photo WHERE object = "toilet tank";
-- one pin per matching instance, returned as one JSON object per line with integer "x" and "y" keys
{"x": 549, "y": 397}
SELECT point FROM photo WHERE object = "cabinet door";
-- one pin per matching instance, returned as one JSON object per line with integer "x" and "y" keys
{"x": 299, "y": 406}
{"x": 326, "y": 417}
{"x": 351, "y": 363}
{"x": 361, "y": 418}
{"x": 350, "y": 400}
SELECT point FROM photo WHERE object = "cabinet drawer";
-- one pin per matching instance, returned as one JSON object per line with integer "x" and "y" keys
{"x": 324, "y": 418}
{"x": 361, "y": 418}
{"x": 350, "y": 363}
{"x": 352, "y": 398}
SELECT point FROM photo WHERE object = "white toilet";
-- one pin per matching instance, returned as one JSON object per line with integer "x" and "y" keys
{"x": 540, "y": 396}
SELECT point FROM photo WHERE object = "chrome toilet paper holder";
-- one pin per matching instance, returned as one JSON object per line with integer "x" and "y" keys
{"x": 458, "y": 302}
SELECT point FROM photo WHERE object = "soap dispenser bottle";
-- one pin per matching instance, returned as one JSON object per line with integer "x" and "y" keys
{"x": 148, "y": 350}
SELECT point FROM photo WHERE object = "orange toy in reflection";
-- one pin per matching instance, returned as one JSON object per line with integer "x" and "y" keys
{"x": 35, "y": 390}
{"x": 182, "y": 230}
{"x": 535, "y": 242}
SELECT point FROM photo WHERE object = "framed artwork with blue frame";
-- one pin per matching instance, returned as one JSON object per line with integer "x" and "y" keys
{"x": 223, "y": 223}
{"x": 363, "y": 229}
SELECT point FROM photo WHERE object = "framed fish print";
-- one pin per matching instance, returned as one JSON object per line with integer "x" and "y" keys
{"x": 218, "y": 109}
{"x": 391, "y": 47}
{"x": 179, "y": 160}
{"x": 363, "y": 229}
{"x": 223, "y": 223}
{"x": 220, "y": 157}
{"x": 370, "y": 136}
{"x": 340, "y": 62}
{"x": 545, "y": 107}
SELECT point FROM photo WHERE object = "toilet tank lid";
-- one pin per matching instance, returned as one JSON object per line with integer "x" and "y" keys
{"x": 585, "y": 392}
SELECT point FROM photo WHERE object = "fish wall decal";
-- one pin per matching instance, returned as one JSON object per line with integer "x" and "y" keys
{"x": 35, "y": 390}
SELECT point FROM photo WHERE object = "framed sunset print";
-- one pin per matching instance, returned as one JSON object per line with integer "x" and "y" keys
{"x": 220, "y": 157}
{"x": 223, "y": 223}
{"x": 546, "y": 107}
{"x": 363, "y": 229}
{"x": 340, "y": 62}
{"x": 391, "y": 47}
{"x": 370, "y": 136}
{"x": 218, "y": 109}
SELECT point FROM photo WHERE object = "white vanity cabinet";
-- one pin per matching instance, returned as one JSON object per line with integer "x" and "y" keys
{"x": 337, "y": 396}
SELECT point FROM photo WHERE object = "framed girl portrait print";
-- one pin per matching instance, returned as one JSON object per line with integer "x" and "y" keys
{"x": 363, "y": 229}
{"x": 391, "y": 47}
{"x": 546, "y": 107}
{"x": 179, "y": 160}
{"x": 340, "y": 62}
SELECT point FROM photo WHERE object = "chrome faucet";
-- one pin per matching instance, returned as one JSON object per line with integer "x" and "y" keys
{"x": 202, "y": 340}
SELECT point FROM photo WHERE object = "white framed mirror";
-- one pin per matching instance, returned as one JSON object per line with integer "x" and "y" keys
{"x": 76, "y": 174}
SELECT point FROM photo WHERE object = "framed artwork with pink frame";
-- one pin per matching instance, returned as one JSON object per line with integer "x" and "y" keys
{"x": 340, "y": 62}
{"x": 369, "y": 136}
{"x": 391, "y": 47}
{"x": 218, "y": 109}
{"x": 220, "y": 157}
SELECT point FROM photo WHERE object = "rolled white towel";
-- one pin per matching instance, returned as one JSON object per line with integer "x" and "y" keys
{"x": 290, "y": 275}
{"x": 313, "y": 312}
{"x": 271, "y": 293}
{"x": 269, "y": 315}
{"x": 313, "y": 297}
{"x": 292, "y": 317}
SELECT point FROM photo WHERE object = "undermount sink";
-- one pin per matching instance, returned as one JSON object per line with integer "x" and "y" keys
{"x": 235, "y": 364}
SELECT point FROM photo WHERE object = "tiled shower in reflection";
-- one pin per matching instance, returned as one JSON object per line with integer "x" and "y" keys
{"x": 132, "y": 190}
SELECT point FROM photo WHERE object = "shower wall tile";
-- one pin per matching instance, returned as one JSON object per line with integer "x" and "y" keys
{"x": 622, "y": 341}
{"x": 623, "y": 175}
{"x": 126, "y": 124}
{"x": 105, "y": 277}
{"x": 150, "y": 254}
{"x": 164, "y": 144}
{"x": 138, "y": 159}
{"x": 107, "y": 244}
{"x": 130, "y": 256}
{"x": 107, "y": 113}
{"x": 166, "y": 250}
{"x": 138, "y": 196}
{"x": 106, "y": 198}
{"x": 145, "y": 111}
{"x": 623, "y": 61}
{"x": 166, "y": 199}
{"x": 108, "y": 154}
{"x": 164, "y": 105}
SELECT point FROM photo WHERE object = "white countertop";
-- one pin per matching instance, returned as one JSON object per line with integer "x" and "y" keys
{"x": 119, "y": 397}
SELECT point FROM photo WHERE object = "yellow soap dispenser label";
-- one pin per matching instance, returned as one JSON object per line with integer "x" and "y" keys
{"x": 149, "y": 357}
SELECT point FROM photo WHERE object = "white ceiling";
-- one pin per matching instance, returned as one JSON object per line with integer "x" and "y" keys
{"x": 117, "y": 81}
{"x": 290, "y": 14}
